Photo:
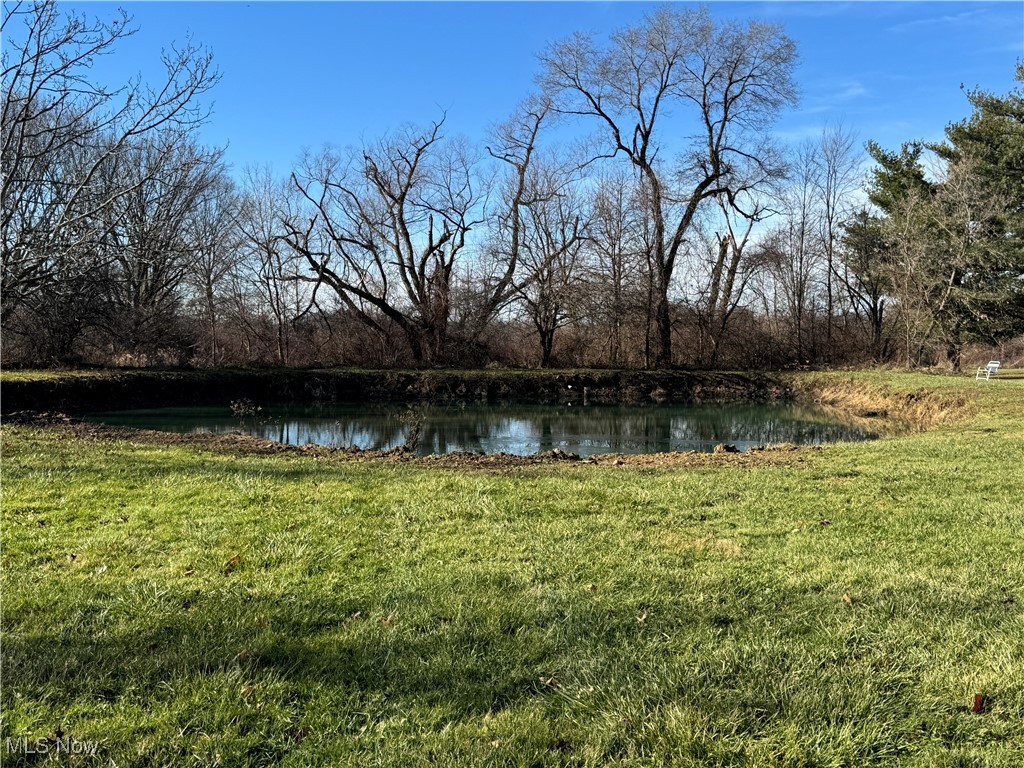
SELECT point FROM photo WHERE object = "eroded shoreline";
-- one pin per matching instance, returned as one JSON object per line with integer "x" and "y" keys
{"x": 882, "y": 410}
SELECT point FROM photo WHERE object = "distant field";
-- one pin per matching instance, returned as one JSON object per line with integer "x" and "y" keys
{"x": 181, "y": 605}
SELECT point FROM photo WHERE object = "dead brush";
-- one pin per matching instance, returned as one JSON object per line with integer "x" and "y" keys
{"x": 244, "y": 407}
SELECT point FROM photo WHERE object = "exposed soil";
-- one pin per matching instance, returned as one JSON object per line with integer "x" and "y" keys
{"x": 49, "y": 403}
{"x": 881, "y": 409}
{"x": 247, "y": 445}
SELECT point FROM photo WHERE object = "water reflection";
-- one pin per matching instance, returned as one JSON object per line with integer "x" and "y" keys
{"x": 518, "y": 429}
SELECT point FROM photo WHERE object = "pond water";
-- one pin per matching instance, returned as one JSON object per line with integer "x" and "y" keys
{"x": 515, "y": 429}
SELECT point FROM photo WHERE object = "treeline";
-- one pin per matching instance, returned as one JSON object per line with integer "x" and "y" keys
{"x": 676, "y": 232}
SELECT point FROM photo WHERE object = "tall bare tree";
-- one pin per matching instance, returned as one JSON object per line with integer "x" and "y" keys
{"x": 729, "y": 265}
{"x": 837, "y": 176}
{"x": 61, "y": 128}
{"x": 212, "y": 232}
{"x": 619, "y": 276}
{"x": 147, "y": 245}
{"x": 934, "y": 238}
{"x": 514, "y": 144}
{"x": 553, "y": 235}
{"x": 791, "y": 257}
{"x": 387, "y": 225}
{"x": 267, "y": 276}
{"x": 731, "y": 79}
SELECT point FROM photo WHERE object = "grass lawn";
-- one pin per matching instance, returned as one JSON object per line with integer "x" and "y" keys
{"x": 837, "y": 607}
{"x": 34, "y": 374}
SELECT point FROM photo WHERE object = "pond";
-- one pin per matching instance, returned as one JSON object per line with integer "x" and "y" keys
{"x": 514, "y": 429}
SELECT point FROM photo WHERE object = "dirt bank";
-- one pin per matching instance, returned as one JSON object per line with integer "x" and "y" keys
{"x": 54, "y": 403}
{"x": 246, "y": 445}
{"x": 889, "y": 410}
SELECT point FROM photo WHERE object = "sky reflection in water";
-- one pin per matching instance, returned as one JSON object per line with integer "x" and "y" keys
{"x": 516, "y": 429}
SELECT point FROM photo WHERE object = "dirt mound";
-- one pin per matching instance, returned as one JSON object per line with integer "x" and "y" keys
{"x": 247, "y": 445}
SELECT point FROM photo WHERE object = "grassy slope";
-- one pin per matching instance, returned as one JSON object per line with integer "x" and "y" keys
{"x": 399, "y": 615}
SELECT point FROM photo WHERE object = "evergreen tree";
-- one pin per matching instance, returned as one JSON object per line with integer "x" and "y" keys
{"x": 989, "y": 148}
{"x": 954, "y": 249}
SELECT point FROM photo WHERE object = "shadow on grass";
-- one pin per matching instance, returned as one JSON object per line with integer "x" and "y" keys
{"x": 473, "y": 664}
{"x": 423, "y": 650}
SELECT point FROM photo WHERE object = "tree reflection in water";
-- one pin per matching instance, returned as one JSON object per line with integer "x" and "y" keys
{"x": 518, "y": 429}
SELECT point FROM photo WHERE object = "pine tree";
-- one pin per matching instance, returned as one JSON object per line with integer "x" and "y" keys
{"x": 955, "y": 243}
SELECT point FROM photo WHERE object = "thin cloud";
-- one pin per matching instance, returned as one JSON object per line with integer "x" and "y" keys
{"x": 954, "y": 18}
{"x": 1017, "y": 48}
{"x": 793, "y": 10}
{"x": 799, "y": 134}
{"x": 832, "y": 97}
{"x": 854, "y": 89}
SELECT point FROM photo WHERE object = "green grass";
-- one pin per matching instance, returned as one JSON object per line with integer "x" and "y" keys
{"x": 55, "y": 374}
{"x": 183, "y": 607}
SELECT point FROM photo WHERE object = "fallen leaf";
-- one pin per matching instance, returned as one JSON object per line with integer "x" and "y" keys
{"x": 979, "y": 704}
{"x": 233, "y": 562}
{"x": 847, "y": 599}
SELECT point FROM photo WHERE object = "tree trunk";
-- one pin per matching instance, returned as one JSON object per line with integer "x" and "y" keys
{"x": 663, "y": 318}
{"x": 547, "y": 343}
{"x": 212, "y": 310}
{"x": 953, "y": 354}
{"x": 877, "y": 343}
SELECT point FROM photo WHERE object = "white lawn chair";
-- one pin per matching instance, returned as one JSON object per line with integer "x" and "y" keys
{"x": 988, "y": 371}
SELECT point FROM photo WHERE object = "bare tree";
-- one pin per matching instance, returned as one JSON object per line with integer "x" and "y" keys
{"x": 791, "y": 257}
{"x": 387, "y": 225}
{"x": 60, "y": 129}
{"x": 269, "y": 271}
{"x": 515, "y": 145}
{"x": 733, "y": 79}
{"x": 552, "y": 236}
{"x": 729, "y": 265}
{"x": 837, "y": 176}
{"x": 212, "y": 233}
{"x": 934, "y": 236}
{"x": 619, "y": 278}
{"x": 146, "y": 245}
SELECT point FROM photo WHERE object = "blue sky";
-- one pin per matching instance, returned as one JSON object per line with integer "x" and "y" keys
{"x": 297, "y": 74}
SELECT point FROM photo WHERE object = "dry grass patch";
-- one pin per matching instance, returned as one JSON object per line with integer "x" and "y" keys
{"x": 711, "y": 546}
{"x": 883, "y": 408}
